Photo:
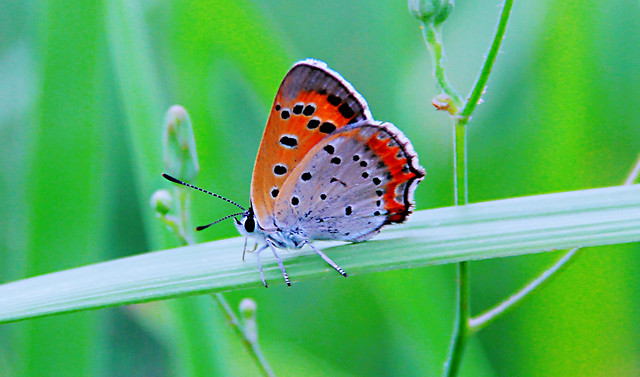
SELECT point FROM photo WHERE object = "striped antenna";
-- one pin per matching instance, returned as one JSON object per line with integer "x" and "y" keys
{"x": 175, "y": 180}
{"x": 202, "y": 227}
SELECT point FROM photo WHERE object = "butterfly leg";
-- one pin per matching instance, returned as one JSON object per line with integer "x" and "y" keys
{"x": 286, "y": 277}
{"x": 327, "y": 259}
{"x": 260, "y": 264}
{"x": 245, "y": 248}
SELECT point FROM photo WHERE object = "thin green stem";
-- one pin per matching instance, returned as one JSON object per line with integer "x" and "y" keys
{"x": 172, "y": 223}
{"x": 463, "y": 310}
{"x": 461, "y": 185}
{"x": 462, "y": 325}
{"x": 481, "y": 321}
{"x": 481, "y": 81}
{"x": 484, "y": 319}
{"x": 635, "y": 173}
{"x": 186, "y": 235}
{"x": 461, "y": 331}
{"x": 253, "y": 346}
{"x": 433, "y": 39}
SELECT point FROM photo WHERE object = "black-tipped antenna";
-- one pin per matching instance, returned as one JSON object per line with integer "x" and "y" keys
{"x": 175, "y": 180}
{"x": 202, "y": 227}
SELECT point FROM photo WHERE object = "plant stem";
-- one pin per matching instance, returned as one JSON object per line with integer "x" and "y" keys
{"x": 463, "y": 310}
{"x": 481, "y": 321}
{"x": 172, "y": 223}
{"x": 252, "y": 345}
{"x": 461, "y": 186}
{"x": 462, "y": 324}
{"x": 635, "y": 172}
{"x": 461, "y": 330}
{"x": 433, "y": 39}
{"x": 185, "y": 215}
{"x": 481, "y": 81}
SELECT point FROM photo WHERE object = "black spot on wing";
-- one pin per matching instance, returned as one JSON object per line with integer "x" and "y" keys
{"x": 279, "y": 169}
{"x": 309, "y": 110}
{"x": 289, "y": 141}
{"x": 346, "y": 110}
{"x": 334, "y": 100}
{"x": 313, "y": 123}
{"x": 327, "y": 127}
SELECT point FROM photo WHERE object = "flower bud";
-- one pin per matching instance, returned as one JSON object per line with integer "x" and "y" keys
{"x": 161, "y": 202}
{"x": 248, "y": 309}
{"x": 180, "y": 157}
{"x": 431, "y": 11}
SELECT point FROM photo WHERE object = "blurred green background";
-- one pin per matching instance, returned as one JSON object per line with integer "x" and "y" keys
{"x": 84, "y": 86}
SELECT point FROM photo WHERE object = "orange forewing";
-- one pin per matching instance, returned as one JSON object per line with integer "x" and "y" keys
{"x": 314, "y": 85}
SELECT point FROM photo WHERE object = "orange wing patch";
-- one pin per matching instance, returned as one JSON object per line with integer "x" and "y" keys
{"x": 312, "y": 102}
{"x": 396, "y": 153}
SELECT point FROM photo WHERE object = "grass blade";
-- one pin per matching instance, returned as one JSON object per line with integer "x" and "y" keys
{"x": 445, "y": 235}
{"x": 67, "y": 157}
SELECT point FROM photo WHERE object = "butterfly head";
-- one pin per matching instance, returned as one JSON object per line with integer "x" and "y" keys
{"x": 247, "y": 224}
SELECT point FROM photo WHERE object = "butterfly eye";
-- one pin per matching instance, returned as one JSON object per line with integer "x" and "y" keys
{"x": 249, "y": 224}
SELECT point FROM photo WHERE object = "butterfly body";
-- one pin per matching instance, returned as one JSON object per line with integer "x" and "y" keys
{"x": 325, "y": 169}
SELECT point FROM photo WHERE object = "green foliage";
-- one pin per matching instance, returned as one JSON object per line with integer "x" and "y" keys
{"x": 84, "y": 87}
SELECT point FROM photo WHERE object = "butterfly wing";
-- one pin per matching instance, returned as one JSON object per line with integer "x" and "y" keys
{"x": 312, "y": 102}
{"x": 350, "y": 184}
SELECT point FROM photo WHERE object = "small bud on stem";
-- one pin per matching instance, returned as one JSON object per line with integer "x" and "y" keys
{"x": 431, "y": 11}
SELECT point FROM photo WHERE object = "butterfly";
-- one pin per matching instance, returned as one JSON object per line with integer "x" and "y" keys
{"x": 325, "y": 170}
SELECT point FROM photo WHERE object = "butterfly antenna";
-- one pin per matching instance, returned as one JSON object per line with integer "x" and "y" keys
{"x": 202, "y": 227}
{"x": 176, "y": 180}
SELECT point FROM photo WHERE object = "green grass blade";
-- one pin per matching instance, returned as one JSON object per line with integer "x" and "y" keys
{"x": 445, "y": 235}
{"x": 67, "y": 157}
{"x": 142, "y": 99}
